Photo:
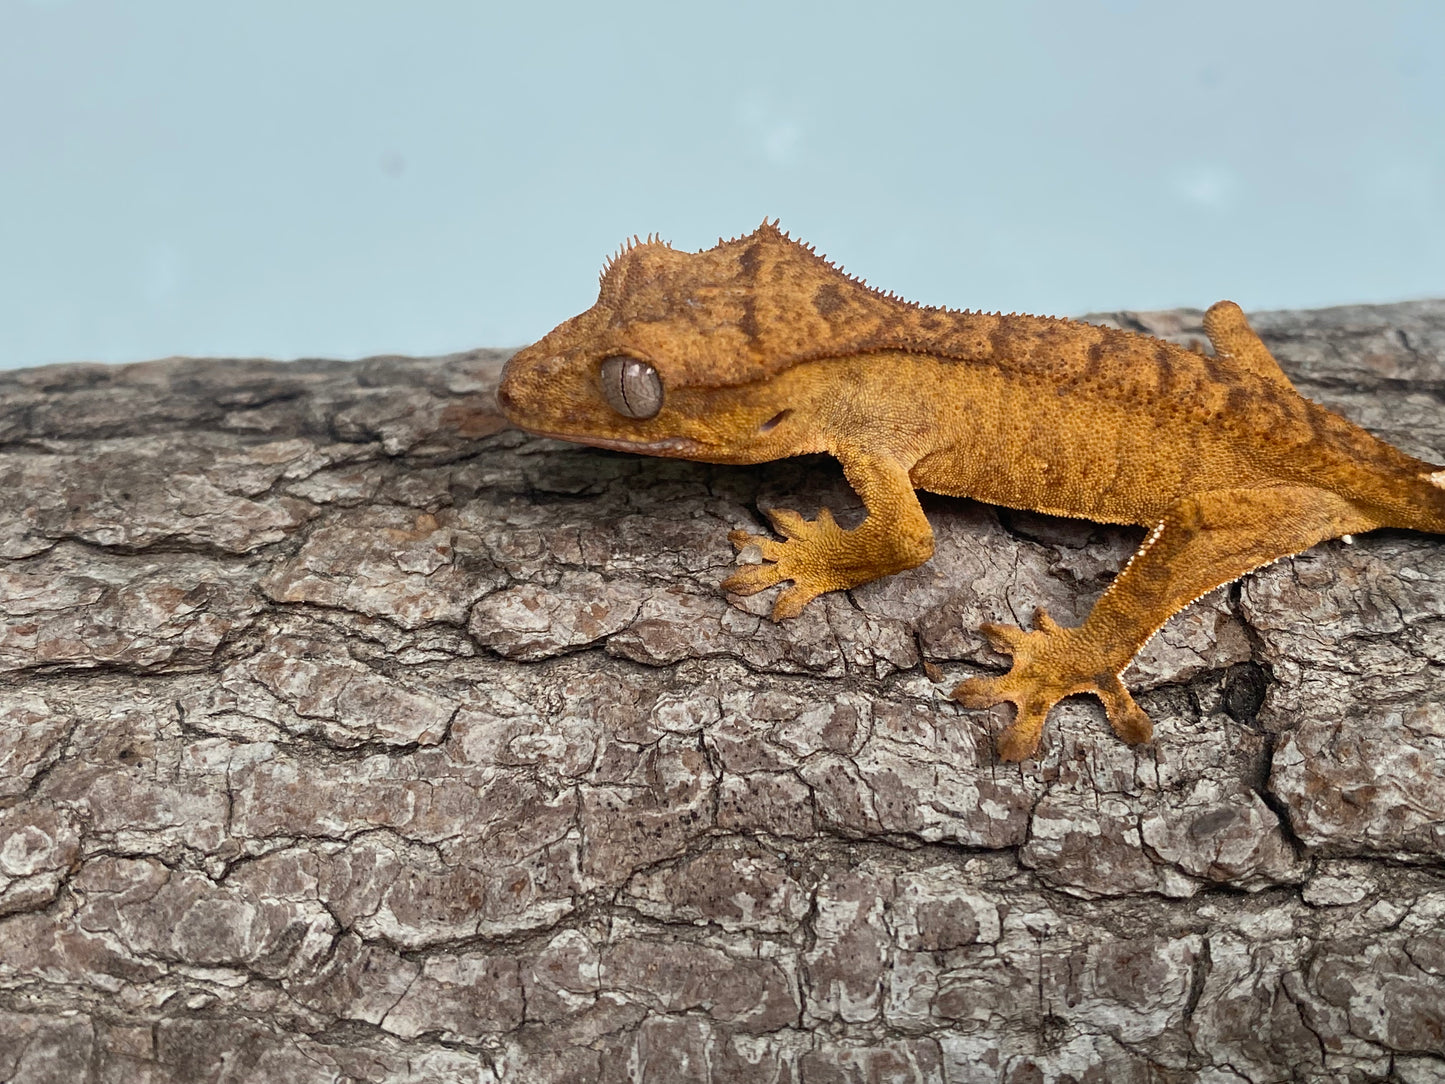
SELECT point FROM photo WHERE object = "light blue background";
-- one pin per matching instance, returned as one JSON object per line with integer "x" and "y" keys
{"x": 342, "y": 178}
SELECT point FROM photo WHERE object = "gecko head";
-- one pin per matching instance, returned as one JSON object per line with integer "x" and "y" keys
{"x": 670, "y": 359}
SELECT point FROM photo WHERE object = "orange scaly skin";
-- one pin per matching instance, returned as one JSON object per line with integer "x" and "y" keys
{"x": 760, "y": 349}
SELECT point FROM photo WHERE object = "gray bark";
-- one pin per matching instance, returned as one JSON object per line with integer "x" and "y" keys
{"x": 349, "y": 736}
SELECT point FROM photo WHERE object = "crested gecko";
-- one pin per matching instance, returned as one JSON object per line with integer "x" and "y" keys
{"x": 759, "y": 348}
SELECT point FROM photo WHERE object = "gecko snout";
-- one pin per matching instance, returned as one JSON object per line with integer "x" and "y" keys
{"x": 506, "y": 397}
{"x": 530, "y": 381}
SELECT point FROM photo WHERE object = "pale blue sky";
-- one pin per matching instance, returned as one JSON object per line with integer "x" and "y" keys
{"x": 340, "y": 177}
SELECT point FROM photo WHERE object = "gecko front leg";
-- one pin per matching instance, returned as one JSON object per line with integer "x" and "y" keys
{"x": 819, "y": 556}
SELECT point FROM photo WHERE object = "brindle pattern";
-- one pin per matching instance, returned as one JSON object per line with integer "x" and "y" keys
{"x": 750, "y": 308}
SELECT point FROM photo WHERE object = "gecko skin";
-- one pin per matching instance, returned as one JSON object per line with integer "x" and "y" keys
{"x": 759, "y": 349}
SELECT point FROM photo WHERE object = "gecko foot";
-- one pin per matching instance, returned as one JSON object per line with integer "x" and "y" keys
{"x": 809, "y": 556}
{"x": 1049, "y": 664}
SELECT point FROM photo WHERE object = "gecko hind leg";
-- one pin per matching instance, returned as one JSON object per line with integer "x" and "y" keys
{"x": 1046, "y": 668}
{"x": 1203, "y": 541}
{"x": 1232, "y": 338}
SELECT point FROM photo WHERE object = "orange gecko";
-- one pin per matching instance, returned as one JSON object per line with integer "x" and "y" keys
{"x": 759, "y": 349}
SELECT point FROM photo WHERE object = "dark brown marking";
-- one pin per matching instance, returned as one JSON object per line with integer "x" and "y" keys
{"x": 1216, "y": 370}
{"x": 828, "y": 299}
{"x": 772, "y": 423}
{"x": 1004, "y": 343}
{"x": 749, "y": 260}
{"x": 1167, "y": 370}
{"x": 1053, "y": 350}
{"x": 748, "y": 321}
{"x": 1089, "y": 370}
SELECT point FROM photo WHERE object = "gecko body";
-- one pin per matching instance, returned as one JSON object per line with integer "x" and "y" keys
{"x": 759, "y": 349}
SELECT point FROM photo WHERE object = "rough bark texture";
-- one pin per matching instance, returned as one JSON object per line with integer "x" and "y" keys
{"x": 349, "y": 737}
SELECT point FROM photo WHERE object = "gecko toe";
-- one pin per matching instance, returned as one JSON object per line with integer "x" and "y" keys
{"x": 1005, "y": 639}
{"x": 741, "y": 539}
{"x": 1044, "y": 623}
{"x": 1020, "y": 739}
{"x": 1126, "y": 717}
{"x": 791, "y": 602}
{"x": 978, "y": 692}
{"x": 770, "y": 548}
{"x": 787, "y": 523}
{"x": 750, "y": 579}
{"x": 1134, "y": 728}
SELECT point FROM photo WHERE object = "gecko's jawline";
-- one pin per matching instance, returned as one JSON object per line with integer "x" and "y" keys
{"x": 672, "y": 446}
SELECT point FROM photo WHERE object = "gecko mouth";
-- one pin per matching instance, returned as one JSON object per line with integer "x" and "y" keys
{"x": 673, "y": 446}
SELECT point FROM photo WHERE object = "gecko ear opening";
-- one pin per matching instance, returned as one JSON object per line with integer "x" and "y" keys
{"x": 772, "y": 423}
{"x": 631, "y": 387}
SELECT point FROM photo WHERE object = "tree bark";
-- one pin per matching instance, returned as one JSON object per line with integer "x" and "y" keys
{"x": 350, "y": 736}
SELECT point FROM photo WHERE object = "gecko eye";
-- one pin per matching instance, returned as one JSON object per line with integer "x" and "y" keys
{"x": 632, "y": 387}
